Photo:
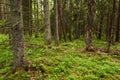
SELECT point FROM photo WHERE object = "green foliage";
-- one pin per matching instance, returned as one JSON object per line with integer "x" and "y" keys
{"x": 3, "y": 38}
{"x": 63, "y": 62}
{"x": 2, "y": 22}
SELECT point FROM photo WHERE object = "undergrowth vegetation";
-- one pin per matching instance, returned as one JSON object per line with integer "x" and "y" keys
{"x": 67, "y": 61}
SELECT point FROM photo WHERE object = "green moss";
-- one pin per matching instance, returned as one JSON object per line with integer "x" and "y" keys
{"x": 63, "y": 62}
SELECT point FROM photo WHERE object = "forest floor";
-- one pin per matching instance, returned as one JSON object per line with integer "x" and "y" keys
{"x": 67, "y": 61}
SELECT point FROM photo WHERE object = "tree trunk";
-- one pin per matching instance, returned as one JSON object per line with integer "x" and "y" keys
{"x": 100, "y": 27}
{"x": 90, "y": 24}
{"x": 117, "y": 39}
{"x": 61, "y": 28}
{"x": 30, "y": 18}
{"x": 25, "y": 9}
{"x": 60, "y": 19}
{"x": 27, "y": 16}
{"x": 17, "y": 34}
{"x": 47, "y": 22}
{"x": 0, "y": 10}
{"x": 111, "y": 27}
{"x": 56, "y": 21}
{"x": 70, "y": 20}
{"x": 36, "y": 21}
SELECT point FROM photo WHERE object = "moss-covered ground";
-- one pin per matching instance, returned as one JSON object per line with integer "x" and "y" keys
{"x": 67, "y": 61}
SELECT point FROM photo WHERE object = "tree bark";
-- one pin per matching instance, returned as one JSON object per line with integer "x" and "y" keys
{"x": 56, "y": 21}
{"x": 90, "y": 25}
{"x": 0, "y": 10}
{"x": 117, "y": 39}
{"x": 36, "y": 17}
{"x": 17, "y": 34}
{"x": 60, "y": 25}
{"x": 111, "y": 27}
{"x": 30, "y": 18}
{"x": 47, "y": 22}
{"x": 27, "y": 16}
{"x": 100, "y": 28}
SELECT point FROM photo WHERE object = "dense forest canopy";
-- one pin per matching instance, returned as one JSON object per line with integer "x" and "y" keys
{"x": 73, "y": 17}
{"x": 54, "y": 22}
